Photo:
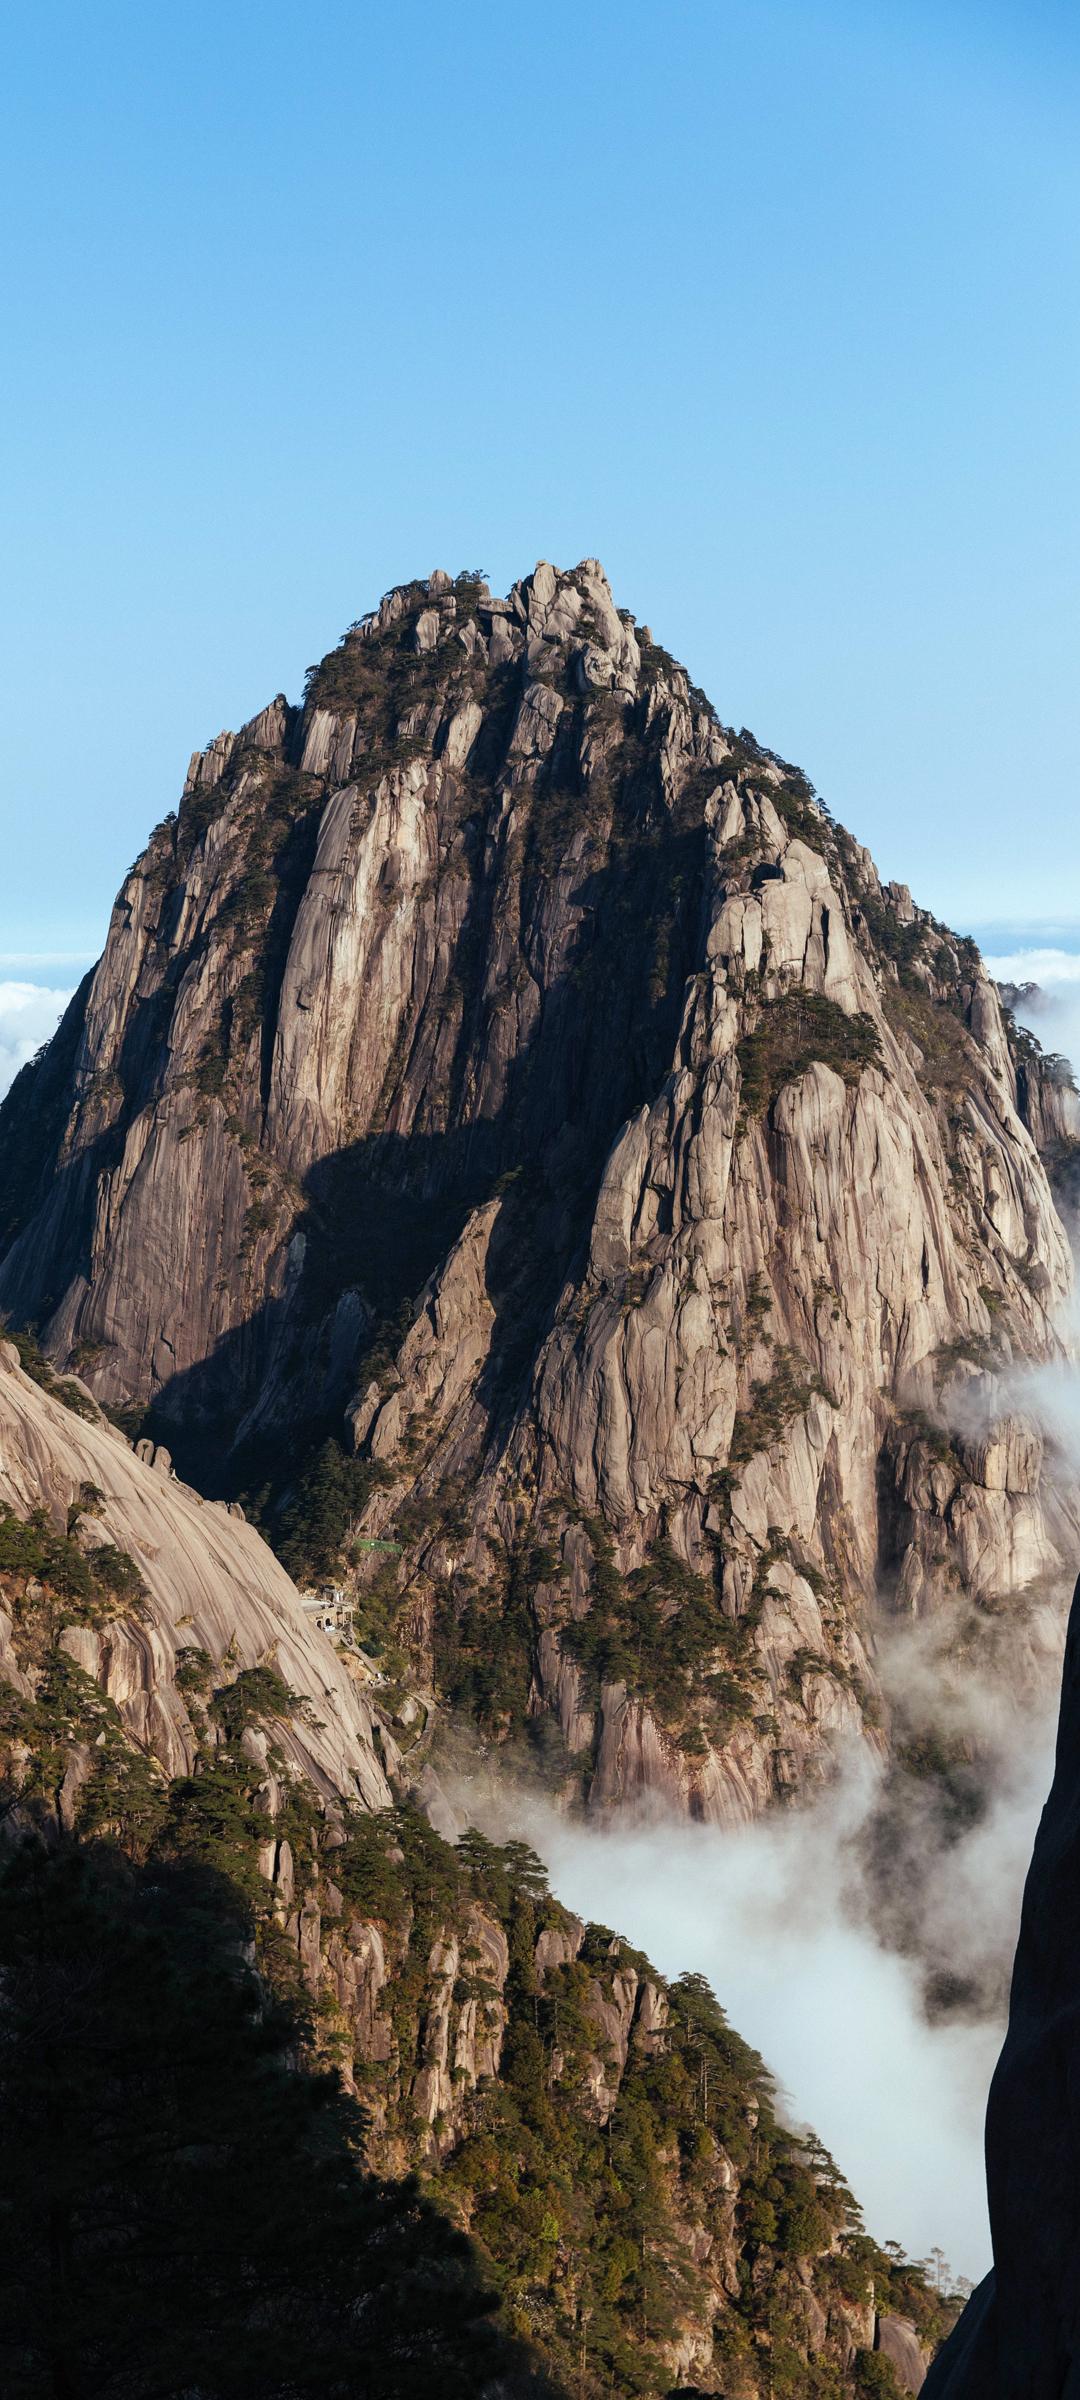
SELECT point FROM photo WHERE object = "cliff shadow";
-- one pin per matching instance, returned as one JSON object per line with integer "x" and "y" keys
{"x": 190, "y": 2204}
{"x": 380, "y": 1215}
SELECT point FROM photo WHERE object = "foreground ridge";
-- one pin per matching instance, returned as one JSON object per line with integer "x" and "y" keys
{"x": 258, "y": 1995}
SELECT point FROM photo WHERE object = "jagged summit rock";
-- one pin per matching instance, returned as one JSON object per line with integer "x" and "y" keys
{"x": 506, "y": 1068}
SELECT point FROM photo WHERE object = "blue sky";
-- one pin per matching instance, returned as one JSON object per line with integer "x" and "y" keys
{"x": 772, "y": 306}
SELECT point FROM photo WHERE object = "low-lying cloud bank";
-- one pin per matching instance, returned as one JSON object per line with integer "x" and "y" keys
{"x": 772, "y": 1916}
{"x": 785, "y": 1918}
{"x": 29, "y": 1013}
{"x": 864, "y": 1943}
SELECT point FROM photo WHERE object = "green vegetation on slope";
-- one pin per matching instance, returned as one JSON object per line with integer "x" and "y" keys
{"x": 584, "y": 2184}
{"x": 795, "y": 1032}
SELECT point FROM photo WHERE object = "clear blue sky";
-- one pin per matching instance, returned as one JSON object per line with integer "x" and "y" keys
{"x": 773, "y": 305}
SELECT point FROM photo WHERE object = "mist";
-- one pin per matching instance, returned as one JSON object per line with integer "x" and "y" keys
{"x": 784, "y": 1917}
{"x": 1052, "y": 1008}
{"x": 863, "y": 1942}
{"x": 773, "y": 1915}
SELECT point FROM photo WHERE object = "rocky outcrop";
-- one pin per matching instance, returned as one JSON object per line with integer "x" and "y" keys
{"x": 501, "y": 1063}
{"x": 1021, "y": 2331}
{"x": 1047, "y": 1095}
{"x": 209, "y": 1588}
{"x": 1047, "y": 1098}
{"x": 611, "y": 2144}
{"x": 898, "y": 2341}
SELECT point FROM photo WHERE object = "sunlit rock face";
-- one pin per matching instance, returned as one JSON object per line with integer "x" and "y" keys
{"x": 1020, "y": 2334}
{"x": 500, "y": 1063}
{"x": 209, "y": 1586}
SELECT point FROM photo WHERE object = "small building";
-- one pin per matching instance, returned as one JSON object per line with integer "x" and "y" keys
{"x": 330, "y": 1608}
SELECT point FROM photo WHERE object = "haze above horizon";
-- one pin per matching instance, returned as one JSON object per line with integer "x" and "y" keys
{"x": 771, "y": 307}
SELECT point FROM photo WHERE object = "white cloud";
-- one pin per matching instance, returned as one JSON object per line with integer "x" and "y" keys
{"x": 1045, "y": 967}
{"x": 821, "y": 1928}
{"x": 779, "y": 1917}
{"x": 1053, "y": 1010}
{"x": 29, "y": 1013}
{"x": 774, "y": 1916}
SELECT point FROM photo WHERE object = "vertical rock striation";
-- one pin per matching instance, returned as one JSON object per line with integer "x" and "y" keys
{"x": 209, "y": 1588}
{"x": 503, "y": 1065}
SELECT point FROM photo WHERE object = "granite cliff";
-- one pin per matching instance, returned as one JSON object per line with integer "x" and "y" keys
{"x": 196, "y": 1592}
{"x": 508, "y": 1097}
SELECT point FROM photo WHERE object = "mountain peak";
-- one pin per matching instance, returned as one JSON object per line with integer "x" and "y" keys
{"x": 506, "y": 1072}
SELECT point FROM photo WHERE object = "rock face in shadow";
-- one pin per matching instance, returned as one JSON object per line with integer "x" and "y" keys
{"x": 1019, "y": 2337}
{"x": 505, "y": 1066}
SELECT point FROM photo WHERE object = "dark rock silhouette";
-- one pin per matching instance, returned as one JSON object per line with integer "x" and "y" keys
{"x": 1019, "y": 2336}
